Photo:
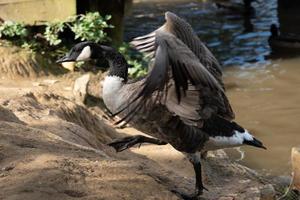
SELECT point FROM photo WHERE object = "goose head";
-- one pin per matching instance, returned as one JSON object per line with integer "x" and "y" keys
{"x": 83, "y": 51}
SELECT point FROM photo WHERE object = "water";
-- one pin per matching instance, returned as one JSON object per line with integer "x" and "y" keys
{"x": 266, "y": 101}
{"x": 264, "y": 93}
{"x": 222, "y": 32}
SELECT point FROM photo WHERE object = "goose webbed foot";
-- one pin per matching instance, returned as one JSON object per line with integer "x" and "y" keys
{"x": 185, "y": 196}
{"x": 127, "y": 142}
{"x": 199, "y": 190}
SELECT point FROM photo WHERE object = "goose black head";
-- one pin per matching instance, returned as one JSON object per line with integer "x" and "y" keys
{"x": 274, "y": 30}
{"x": 83, "y": 51}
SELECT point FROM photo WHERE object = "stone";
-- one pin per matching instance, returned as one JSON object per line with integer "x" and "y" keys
{"x": 226, "y": 198}
{"x": 282, "y": 181}
{"x": 267, "y": 192}
{"x": 80, "y": 88}
{"x": 50, "y": 82}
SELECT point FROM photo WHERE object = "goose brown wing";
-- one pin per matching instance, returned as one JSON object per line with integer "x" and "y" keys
{"x": 184, "y": 32}
{"x": 179, "y": 81}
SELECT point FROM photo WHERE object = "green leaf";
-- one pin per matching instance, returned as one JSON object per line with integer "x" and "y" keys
{"x": 91, "y": 27}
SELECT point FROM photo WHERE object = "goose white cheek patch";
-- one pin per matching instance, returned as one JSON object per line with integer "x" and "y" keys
{"x": 85, "y": 54}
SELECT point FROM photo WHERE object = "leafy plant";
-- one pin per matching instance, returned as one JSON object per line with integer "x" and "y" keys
{"x": 137, "y": 61}
{"x": 90, "y": 27}
{"x": 85, "y": 27}
{"x": 12, "y": 29}
{"x": 51, "y": 32}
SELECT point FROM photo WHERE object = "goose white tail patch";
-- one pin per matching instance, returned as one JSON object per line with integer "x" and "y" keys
{"x": 220, "y": 142}
{"x": 85, "y": 54}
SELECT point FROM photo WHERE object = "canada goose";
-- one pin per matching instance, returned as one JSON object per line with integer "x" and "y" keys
{"x": 181, "y": 101}
{"x": 283, "y": 45}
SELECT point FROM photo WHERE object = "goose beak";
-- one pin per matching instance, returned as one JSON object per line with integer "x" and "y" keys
{"x": 65, "y": 59}
{"x": 67, "y": 63}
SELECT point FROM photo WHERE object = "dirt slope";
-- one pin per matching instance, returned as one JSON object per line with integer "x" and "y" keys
{"x": 49, "y": 150}
{"x": 53, "y": 148}
{"x": 16, "y": 62}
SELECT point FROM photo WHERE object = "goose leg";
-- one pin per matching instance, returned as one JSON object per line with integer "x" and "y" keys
{"x": 194, "y": 158}
{"x": 127, "y": 142}
{"x": 203, "y": 155}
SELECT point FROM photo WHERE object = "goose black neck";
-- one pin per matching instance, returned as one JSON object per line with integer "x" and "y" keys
{"x": 117, "y": 63}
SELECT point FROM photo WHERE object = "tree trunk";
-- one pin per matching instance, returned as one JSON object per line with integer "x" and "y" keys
{"x": 288, "y": 16}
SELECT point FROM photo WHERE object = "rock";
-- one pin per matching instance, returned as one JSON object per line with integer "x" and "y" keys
{"x": 36, "y": 84}
{"x": 296, "y": 167}
{"x": 8, "y": 168}
{"x": 80, "y": 88}
{"x": 95, "y": 86}
{"x": 9, "y": 116}
{"x": 267, "y": 192}
{"x": 67, "y": 88}
{"x": 253, "y": 194}
{"x": 226, "y": 198}
{"x": 50, "y": 82}
{"x": 282, "y": 181}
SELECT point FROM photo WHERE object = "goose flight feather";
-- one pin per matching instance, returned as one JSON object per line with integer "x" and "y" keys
{"x": 183, "y": 71}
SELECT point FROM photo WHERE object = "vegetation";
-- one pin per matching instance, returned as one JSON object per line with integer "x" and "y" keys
{"x": 52, "y": 31}
{"x": 12, "y": 29}
{"x": 50, "y": 37}
{"x": 91, "y": 27}
{"x": 137, "y": 61}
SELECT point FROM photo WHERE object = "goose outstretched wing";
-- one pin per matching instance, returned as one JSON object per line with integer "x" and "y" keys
{"x": 184, "y": 75}
{"x": 183, "y": 31}
{"x": 179, "y": 81}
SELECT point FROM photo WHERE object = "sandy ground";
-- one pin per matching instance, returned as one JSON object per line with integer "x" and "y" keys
{"x": 54, "y": 148}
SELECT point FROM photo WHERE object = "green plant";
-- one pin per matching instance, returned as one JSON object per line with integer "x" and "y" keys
{"x": 51, "y": 32}
{"x": 137, "y": 61}
{"x": 12, "y": 29}
{"x": 90, "y": 27}
{"x": 85, "y": 27}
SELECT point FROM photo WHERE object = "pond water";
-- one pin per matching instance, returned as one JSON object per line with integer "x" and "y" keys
{"x": 264, "y": 93}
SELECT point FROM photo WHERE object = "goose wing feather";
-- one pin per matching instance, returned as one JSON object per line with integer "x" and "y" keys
{"x": 183, "y": 31}
{"x": 179, "y": 81}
